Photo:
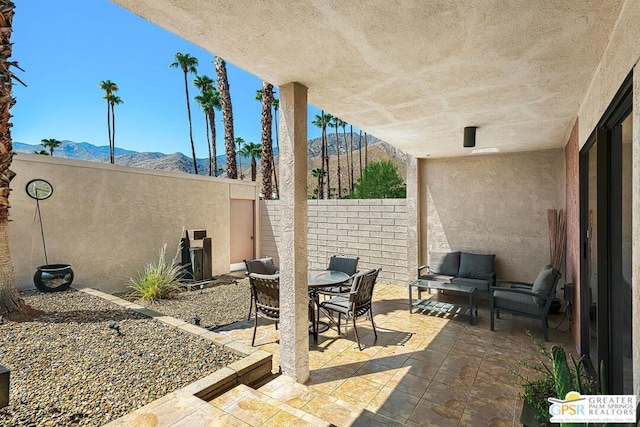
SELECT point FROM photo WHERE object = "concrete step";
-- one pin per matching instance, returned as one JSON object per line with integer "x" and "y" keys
{"x": 329, "y": 408}
{"x": 256, "y": 408}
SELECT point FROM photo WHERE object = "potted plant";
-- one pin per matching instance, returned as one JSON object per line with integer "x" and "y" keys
{"x": 553, "y": 378}
{"x": 535, "y": 406}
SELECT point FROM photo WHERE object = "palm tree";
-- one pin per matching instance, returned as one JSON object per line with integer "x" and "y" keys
{"x": 51, "y": 144}
{"x": 319, "y": 122}
{"x": 267, "y": 143}
{"x": 113, "y": 101}
{"x": 322, "y": 121}
{"x": 213, "y": 104}
{"x": 276, "y": 108}
{"x": 10, "y": 300}
{"x": 366, "y": 151}
{"x": 254, "y": 151}
{"x": 203, "y": 102}
{"x": 360, "y": 151}
{"x": 319, "y": 173}
{"x": 346, "y": 153}
{"x": 351, "y": 149}
{"x": 188, "y": 64}
{"x": 336, "y": 123}
{"x": 209, "y": 100}
{"x": 240, "y": 141}
{"x": 227, "y": 116}
{"x": 203, "y": 82}
{"x": 109, "y": 87}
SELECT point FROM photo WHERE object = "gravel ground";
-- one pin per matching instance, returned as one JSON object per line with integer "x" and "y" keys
{"x": 222, "y": 304}
{"x": 69, "y": 369}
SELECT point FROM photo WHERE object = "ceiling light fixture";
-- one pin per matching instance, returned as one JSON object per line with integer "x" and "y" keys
{"x": 469, "y": 136}
{"x": 485, "y": 150}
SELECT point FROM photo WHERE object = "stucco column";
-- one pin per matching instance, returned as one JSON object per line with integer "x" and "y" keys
{"x": 635, "y": 233}
{"x": 413, "y": 216}
{"x": 294, "y": 330}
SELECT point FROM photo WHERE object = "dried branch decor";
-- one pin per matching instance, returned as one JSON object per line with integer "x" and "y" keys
{"x": 557, "y": 236}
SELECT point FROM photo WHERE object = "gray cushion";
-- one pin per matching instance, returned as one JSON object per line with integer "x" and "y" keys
{"x": 481, "y": 284}
{"x": 261, "y": 266}
{"x": 436, "y": 277}
{"x": 444, "y": 263}
{"x": 514, "y": 301}
{"x": 544, "y": 283}
{"x": 476, "y": 266}
{"x": 339, "y": 304}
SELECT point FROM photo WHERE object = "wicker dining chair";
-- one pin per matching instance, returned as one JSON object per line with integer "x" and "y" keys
{"x": 265, "y": 291}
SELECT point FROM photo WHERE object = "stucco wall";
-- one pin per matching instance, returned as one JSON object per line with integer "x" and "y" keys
{"x": 572, "y": 265}
{"x": 493, "y": 204}
{"x": 618, "y": 60}
{"x": 373, "y": 230}
{"x": 108, "y": 221}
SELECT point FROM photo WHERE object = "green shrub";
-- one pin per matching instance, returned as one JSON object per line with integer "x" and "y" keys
{"x": 158, "y": 280}
{"x": 380, "y": 180}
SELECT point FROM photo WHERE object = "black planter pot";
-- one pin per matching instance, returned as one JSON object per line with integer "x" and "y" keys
{"x": 53, "y": 277}
{"x": 529, "y": 418}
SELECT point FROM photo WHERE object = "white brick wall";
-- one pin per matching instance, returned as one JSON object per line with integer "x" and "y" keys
{"x": 373, "y": 230}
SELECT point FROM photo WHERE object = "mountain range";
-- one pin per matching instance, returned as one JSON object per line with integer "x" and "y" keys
{"x": 178, "y": 162}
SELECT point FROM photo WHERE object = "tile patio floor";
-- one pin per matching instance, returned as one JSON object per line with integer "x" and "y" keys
{"x": 423, "y": 370}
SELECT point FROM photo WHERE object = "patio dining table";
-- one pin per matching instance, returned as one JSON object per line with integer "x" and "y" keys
{"x": 316, "y": 280}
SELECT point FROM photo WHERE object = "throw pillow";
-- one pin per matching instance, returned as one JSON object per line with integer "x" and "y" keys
{"x": 446, "y": 263}
{"x": 543, "y": 283}
{"x": 476, "y": 266}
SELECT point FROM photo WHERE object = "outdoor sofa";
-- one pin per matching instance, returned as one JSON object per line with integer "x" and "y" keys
{"x": 462, "y": 268}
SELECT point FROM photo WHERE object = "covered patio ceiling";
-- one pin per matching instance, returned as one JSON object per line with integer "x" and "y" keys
{"x": 415, "y": 72}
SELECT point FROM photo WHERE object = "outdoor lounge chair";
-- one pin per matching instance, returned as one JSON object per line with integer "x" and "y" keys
{"x": 263, "y": 266}
{"x": 265, "y": 290}
{"x": 526, "y": 299}
{"x": 356, "y": 303}
{"x": 345, "y": 265}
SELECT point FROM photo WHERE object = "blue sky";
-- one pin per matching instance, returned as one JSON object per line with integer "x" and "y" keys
{"x": 66, "y": 47}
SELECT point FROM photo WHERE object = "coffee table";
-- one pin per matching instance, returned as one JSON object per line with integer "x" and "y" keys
{"x": 443, "y": 307}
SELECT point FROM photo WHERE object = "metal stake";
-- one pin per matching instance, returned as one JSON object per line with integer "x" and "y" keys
{"x": 44, "y": 245}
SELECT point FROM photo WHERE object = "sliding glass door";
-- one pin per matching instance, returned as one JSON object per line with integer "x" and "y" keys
{"x": 606, "y": 180}
{"x": 623, "y": 281}
{"x": 591, "y": 251}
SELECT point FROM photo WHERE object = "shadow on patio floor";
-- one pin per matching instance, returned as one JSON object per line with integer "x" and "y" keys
{"x": 422, "y": 369}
